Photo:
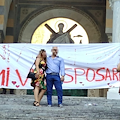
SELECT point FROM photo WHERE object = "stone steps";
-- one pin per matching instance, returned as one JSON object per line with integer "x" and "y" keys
{"x": 14, "y": 107}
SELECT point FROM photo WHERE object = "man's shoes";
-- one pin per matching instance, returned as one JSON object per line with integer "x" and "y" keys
{"x": 49, "y": 105}
{"x": 60, "y": 105}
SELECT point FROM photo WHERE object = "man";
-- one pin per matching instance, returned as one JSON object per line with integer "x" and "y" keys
{"x": 55, "y": 67}
{"x": 118, "y": 67}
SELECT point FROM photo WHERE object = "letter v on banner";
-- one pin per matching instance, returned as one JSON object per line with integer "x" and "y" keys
{"x": 18, "y": 74}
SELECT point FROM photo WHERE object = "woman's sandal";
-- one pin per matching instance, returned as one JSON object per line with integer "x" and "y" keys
{"x": 34, "y": 103}
{"x": 37, "y": 104}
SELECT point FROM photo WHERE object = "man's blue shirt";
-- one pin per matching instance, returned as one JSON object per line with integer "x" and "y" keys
{"x": 55, "y": 65}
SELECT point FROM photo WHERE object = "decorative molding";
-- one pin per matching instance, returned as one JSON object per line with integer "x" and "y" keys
{"x": 97, "y": 14}
{"x": 65, "y": 1}
{"x": 25, "y": 12}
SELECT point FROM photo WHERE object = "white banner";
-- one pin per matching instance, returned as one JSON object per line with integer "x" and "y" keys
{"x": 90, "y": 66}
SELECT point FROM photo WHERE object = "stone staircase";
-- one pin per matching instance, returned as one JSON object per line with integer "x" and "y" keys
{"x": 14, "y": 107}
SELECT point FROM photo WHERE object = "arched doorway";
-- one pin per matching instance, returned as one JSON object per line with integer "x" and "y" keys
{"x": 42, "y": 34}
{"x": 90, "y": 26}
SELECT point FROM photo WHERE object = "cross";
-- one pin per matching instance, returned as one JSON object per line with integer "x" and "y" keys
{"x": 52, "y": 31}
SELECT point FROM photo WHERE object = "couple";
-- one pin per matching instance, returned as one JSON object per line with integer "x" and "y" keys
{"x": 51, "y": 66}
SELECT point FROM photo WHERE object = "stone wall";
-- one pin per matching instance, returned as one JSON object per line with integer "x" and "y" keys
{"x": 4, "y": 10}
{"x": 9, "y": 38}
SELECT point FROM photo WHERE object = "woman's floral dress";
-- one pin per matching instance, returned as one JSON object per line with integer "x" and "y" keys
{"x": 41, "y": 81}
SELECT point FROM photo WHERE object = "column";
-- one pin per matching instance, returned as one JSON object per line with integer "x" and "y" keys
{"x": 115, "y": 5}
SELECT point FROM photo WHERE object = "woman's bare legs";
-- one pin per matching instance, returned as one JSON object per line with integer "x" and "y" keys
{"x": 42, "y": 92}
{"x": 36, "y": 91}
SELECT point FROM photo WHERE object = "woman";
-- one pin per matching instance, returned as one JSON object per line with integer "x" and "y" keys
{"x": 40, "y": 83}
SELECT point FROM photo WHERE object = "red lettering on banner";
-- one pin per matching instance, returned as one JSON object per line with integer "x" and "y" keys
{"x": 97, "y": 72}
{"x": 108, "y": 74}
{"x": 88, "y": 73}
{"x": 114, "y": 70}
{"x": 3, "y": 77}
{"x": 18, "y": 74}
{"x": 8, "y": 74}
{"x": 75, "y": 69}
{"x": 69, "y": 76}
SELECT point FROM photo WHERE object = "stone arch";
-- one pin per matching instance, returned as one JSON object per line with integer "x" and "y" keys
{"x": 79, "y": 16}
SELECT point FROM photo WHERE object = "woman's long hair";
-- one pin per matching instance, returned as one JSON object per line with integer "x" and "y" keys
{"x": 41, "y": 52}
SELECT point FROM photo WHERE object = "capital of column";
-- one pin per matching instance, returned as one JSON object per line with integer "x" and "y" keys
{"x": 111, "y": 2}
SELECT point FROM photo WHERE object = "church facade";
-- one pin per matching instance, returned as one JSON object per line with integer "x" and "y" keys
{"x": 20, "y": 18}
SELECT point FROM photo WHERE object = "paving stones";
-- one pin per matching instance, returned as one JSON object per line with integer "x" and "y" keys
{"x": 14, "y": 107}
